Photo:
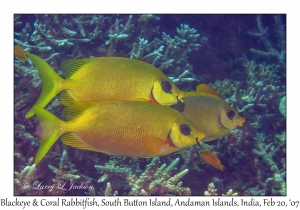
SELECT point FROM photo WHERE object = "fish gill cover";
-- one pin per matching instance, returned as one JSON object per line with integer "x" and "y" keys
{"x": 242, "y": 56}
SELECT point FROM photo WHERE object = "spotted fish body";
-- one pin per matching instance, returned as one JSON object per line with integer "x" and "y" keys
{"x": 105, "y": 78}
{"x": 135, "y": 129}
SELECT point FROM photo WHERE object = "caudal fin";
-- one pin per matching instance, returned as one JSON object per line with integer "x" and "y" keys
{"x": 52, "y": 84}
{"x": 52, "y": 129}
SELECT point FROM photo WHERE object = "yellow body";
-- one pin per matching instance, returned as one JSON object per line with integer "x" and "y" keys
{"x": 211, "y": 114}
{"x": 105, "y": 78}
{"x": 135, "y": 129}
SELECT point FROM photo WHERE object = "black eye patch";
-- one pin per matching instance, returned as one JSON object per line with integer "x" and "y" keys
{"x": 185, "y": 129}
{"x": 230, "y": 115}
{"x": 166, "y": 86}
{"x": 179, "y": 106}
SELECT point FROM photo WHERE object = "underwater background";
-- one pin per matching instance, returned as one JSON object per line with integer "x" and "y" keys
{"x": 242, "y": 56}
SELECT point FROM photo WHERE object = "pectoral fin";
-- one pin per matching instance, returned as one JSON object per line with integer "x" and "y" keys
{"x": 221, "y": 131}
{"x": 153, "y": 145}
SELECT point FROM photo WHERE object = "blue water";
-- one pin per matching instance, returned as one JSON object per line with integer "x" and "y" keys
{"x": 243, "y": 56}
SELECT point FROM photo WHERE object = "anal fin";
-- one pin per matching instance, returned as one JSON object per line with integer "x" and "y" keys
{"x": 71, "y": 139}
{"x": 66, "y": 98}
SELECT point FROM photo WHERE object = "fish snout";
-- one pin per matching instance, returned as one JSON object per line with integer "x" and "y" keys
{"x": 199, "y": 141}
{"x": 242, "y": 122}
{"x": 180, "y": 96}
{"x": 199, "y": 138}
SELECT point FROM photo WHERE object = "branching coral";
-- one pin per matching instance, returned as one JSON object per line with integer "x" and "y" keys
{"x": 226, "y": 87}
{"x": 183, "y": 77}
{"x": 212, "y": 191}
{"x": 25, "y": 179}
{"x": 108, "y": 190}
{"x": 170, "y": 54}
{"x": 150, "y": 182}
{"x": 278, "y": 52}
{"x": 263, "y": 88}
{"x": 117, "y": 33}
{"x": 66, "y": 172}
{"x": 274, "y": 185}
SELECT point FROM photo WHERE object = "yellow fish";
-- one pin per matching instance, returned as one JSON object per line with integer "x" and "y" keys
{"x": 136, "y": 129}
{"x": 105, "y": 78}
{"x": 211, "y": 159}
{"x": 210, "y": 113}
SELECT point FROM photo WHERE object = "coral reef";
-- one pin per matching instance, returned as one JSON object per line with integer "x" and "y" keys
{"x": 212, "y": 191}
{"x": 244, "y": 58}
{"x": 24, "y": 179}
{"x": 154, "y": 180}
{"x": 273, "y": 50}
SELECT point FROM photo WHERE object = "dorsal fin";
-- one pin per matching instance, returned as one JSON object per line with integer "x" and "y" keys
{"x": 196, "y": 93}
{"x": 193, "y": 93}
{"x": 70, "y": 67}
{"x": 203, "y": 88}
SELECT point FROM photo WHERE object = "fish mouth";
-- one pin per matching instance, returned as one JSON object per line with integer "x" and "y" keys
{"x": 242, "y": 122}
{"x": 180, "y": 96}
{"x": 199, "y": 142}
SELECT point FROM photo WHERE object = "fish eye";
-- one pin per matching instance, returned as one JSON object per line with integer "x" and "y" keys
{"x": 185, "y": 129}
{"x": 230, "y": 114}
{"x": 166, "y": 86}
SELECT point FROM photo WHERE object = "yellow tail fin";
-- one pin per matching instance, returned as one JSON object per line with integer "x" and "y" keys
{"x": 52, "y": 129}
{"x": 52, "y": 84}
